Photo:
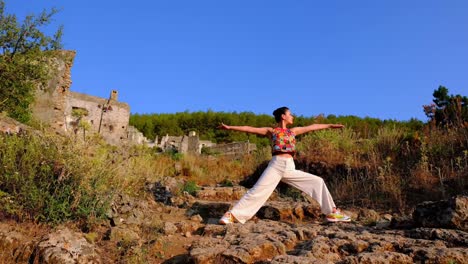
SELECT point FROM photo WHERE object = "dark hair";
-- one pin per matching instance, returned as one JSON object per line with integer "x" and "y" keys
{"x": 279, "y": 112}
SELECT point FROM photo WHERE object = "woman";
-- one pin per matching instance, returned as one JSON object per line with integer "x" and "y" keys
{"x": 282, "y": 168}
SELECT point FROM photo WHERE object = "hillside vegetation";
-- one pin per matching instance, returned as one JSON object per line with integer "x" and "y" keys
{"x": 386, "y": 164}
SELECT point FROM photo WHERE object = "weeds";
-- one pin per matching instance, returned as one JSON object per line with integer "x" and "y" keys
{"x": 190, "y": 187}
{"x": 394, "y": 168}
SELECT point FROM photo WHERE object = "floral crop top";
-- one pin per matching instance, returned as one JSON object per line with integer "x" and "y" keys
{"x": 283, "y": 140}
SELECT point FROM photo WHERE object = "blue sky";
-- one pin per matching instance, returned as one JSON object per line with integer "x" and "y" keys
{"x": 380, "y": 59}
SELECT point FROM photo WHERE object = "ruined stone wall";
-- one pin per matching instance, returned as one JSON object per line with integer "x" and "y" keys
{"x": 185, "y": 144}
{"x": 205, "y": 144}
{"x": 193, "y": 143}
{"x": 169, "y": 143}
{"x": 233, "y": 148}
{"x": 136, "y": 137}
{"x": 106, "y": 117}
{"x": 50, "y": 101}
{"x": 57, "y": 106}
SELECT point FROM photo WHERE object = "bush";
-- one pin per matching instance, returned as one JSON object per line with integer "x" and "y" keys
{"x": 190, "y": 187}
{"x": 35, "y": 178}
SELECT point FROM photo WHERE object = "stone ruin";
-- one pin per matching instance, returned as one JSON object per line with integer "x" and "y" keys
{"x": 66, "y": 111}
{"x": 190, "y": 143}
{"x": 72, "y": 112}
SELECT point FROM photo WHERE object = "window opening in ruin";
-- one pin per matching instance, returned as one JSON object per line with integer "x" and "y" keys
{"x": 111, "y": 128}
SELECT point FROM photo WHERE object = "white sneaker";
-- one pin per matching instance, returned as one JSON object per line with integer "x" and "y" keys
{"x": 337, "y": 216}
{"x": 227, "y": 218}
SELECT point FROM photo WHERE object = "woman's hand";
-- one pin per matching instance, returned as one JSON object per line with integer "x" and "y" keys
{"x": 336, "y": 126}
{"x": 223, "y": 126}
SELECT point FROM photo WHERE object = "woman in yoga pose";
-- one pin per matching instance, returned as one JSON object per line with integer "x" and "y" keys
{"x": 282, "y": 168}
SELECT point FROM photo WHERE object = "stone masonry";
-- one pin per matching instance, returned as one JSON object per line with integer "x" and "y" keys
{"x": 106, "y": 117}
{"x": 66, "y": 111}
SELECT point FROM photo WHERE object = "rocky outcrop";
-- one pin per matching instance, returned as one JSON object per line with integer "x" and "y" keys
{"x": 14, "y": 246}
{"x": 221, "y": 193}
{"x": 65, "y": 246}
{"x": 143, "y": 231}
{"x": 264, "y": 241}
{"x": 10, "y": 126}
{"x": 279, "y": 234}
{"x": 452, "y": 213}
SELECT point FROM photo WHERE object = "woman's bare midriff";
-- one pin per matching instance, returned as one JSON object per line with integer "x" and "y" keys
{"x": 284, "y": 155}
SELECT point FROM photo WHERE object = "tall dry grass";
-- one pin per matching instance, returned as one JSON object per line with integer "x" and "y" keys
{"x": 395, "y": 168}
{"x": 212, "y": 170}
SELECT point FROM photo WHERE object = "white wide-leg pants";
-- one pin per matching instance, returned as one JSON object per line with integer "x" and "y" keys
{"x": 281, "y": 169}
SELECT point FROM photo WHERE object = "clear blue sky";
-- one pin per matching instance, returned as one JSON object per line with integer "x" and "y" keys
{"x": 371, "y": 58}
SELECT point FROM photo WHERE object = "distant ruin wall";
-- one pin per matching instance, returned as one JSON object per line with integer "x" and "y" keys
{"x": 135, "y": 136}
{"x": 234, "y": 148}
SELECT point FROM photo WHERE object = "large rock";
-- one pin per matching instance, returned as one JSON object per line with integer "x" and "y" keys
{"x": 248, "y": 243}
{"x": 286, "y": 259}
{"x": 439, "y": 255}
{"x": 11, "y": 126}
{"x": 13, "y": 245}
{"x": 65, "y": 246}
{"x": 452, "y": 213}
{"x": 210, "y": 209}
{"x": 288, "y": 211}
{"x": 221, "y": 193}
{"x": 452, "y": 238}
{"x": 266, "y": 241}
{"x": 379, "y": 257}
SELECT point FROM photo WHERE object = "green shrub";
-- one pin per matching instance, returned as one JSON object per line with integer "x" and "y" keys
{"x": 227, "y": 183}
{"x": 33, "y": 175}
{"x": 190, "y": 187}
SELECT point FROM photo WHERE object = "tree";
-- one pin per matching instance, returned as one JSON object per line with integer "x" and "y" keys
{"x": 22, "y": 59}
{"x": 447, "y": 110}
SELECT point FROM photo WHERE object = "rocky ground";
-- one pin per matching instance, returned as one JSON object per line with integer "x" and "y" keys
{"x": 167, "y": 229}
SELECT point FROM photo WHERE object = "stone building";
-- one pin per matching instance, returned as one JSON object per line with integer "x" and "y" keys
{"x": 193, "y": 145}
{"x": 66, "y": 111}
{"x": 134, "y": 135}
{"x": 183, "y": 144}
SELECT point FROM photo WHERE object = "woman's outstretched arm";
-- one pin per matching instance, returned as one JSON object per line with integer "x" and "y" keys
{"x": 302, "y": 130}
{"x": 248, "y": 129}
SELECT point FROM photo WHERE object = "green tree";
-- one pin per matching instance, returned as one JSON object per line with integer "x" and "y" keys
{"x": 22, "y": 59}
{"x": 447, "y": 110}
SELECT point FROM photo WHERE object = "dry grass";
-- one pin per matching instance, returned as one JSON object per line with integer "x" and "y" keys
{"x": 209, "y": 170}
{"x": 393, "y": 169}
